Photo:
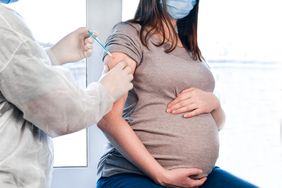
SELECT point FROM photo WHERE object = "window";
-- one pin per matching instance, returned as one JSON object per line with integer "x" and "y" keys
{"x": 49, "y": 22}
{"x": 243, "y": 56}
{"x": 76, "y": 155}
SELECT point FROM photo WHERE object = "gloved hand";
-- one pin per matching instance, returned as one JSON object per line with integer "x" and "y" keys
{"x": 73, "y": 47}
{"x": 118, "y": 80}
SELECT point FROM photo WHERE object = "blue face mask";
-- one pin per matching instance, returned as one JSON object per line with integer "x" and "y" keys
{"x": 178, "y": 9}
{"x": 8, "y": 1}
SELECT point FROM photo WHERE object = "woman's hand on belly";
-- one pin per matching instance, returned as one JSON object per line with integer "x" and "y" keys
{"x": 192, "y": 102}
{"x": 181, "y": 177}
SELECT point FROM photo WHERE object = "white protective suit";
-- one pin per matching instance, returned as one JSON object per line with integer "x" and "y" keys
{"x": 37, "y": 100}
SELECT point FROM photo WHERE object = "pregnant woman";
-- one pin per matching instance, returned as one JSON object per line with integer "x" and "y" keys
{"x": 166, "y": 129}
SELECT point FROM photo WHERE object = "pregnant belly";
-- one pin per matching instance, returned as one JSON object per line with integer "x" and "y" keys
{"x": 177, "y": 142}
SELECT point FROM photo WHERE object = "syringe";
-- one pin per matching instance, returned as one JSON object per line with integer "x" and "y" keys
{"x": 91, "y": 34}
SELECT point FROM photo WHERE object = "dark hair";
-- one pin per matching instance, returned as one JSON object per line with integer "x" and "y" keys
{"x": 153, "y": 18}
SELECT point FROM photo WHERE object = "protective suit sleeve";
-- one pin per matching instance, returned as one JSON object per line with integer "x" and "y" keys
{"x": 52, "y": 57}
{"x": 43, "y": 93}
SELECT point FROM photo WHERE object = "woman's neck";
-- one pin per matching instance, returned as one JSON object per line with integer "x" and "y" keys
{"x": 167, "y": 31}
{"x": 174, "y": 24}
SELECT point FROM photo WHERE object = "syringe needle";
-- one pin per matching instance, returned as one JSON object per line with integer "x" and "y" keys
{"x": 99, "y": 42}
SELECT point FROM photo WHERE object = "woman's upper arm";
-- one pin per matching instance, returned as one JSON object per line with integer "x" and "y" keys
{"x": 125, "y": 45}
{"x": 112, "y": 61}
{"x": 117, "y": 57}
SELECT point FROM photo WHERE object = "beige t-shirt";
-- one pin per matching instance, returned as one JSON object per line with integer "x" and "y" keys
{"x": 174, "y": 141}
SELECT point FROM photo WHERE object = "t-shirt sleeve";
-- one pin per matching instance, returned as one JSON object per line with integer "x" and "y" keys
{"x": 125, "y": 39}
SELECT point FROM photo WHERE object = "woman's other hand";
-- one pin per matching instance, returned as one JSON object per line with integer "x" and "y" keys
{"x": 193, "y": 102}
{"x": 181, "y": 177}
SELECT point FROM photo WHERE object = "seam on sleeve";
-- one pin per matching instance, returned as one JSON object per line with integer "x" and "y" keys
{"x": 20, "y": 44}
{"x": 12, "y": 56}
{"x": 6, "y": 22}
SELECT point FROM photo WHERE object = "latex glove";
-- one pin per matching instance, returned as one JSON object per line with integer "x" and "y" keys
{"x": 118, "y": 80}
{"x": 73, "y": 47}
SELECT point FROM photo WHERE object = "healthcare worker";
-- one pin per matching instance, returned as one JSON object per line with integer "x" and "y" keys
{"x": 38, "y": 100}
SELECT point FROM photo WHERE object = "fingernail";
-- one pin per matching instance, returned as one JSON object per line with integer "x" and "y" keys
{"x": 168, "y": 110}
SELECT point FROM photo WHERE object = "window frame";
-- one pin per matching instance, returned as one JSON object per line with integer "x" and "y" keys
{"x": 63, "y": 177}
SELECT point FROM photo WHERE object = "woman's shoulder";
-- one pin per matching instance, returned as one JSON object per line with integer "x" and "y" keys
{"x": 127, "y": 27}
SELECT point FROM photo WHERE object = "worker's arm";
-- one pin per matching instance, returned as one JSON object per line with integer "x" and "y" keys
{"x": 46, "y": 95}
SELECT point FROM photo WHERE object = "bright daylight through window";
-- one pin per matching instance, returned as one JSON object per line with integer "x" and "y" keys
{"x": 70, "y": 150}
